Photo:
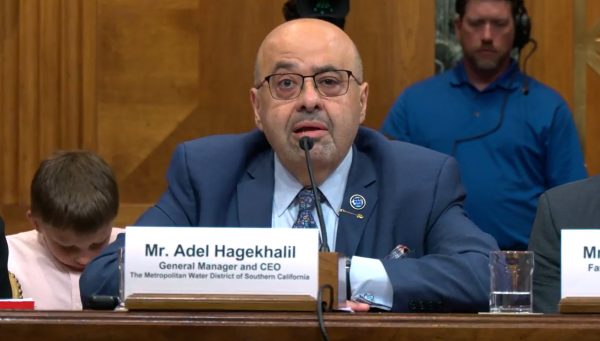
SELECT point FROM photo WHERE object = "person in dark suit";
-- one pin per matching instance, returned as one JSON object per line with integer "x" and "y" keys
{"x": 378, "y": 194}
{"x": 5, "y": 288}
{"x": 570, "y": 206}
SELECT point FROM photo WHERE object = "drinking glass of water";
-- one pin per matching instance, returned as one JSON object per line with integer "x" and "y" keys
{"x": 511, "y": 281}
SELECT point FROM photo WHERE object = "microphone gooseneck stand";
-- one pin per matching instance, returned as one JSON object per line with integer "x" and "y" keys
{"x": 306, "y": 143}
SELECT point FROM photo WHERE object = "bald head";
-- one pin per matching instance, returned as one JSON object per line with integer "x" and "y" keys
{"x": 296, "y": 39}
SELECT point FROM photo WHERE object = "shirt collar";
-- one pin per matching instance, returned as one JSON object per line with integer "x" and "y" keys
{"x": 507, "y": 80}
{"x": 287, "y": 187}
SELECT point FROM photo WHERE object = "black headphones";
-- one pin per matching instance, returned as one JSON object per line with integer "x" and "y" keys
{"x": 522, "y": 25}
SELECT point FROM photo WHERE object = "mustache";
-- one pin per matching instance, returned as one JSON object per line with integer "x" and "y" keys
{"x": 303, "y": 116}
{"x": 487, "y": 46}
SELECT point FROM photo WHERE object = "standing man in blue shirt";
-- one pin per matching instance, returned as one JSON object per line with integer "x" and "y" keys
{"x": 512, "y": 136}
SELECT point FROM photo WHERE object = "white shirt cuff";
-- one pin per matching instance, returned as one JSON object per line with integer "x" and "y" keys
{"x": 370, "y": 283}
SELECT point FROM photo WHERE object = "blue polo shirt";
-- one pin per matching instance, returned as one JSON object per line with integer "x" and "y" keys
{"x": 510, "y": 146}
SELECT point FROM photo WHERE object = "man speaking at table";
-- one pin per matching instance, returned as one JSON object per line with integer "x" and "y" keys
{"x": 377, "y": 195}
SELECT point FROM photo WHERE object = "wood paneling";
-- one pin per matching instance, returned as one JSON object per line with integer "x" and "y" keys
{"x": 9, "y": 109}
{"x": 147, "y": 86}
{"x": 552, "y": 62}
{"x": 42, "y": 92}
{"x": 396, "y": 42}
{"x": 555, "y": 63}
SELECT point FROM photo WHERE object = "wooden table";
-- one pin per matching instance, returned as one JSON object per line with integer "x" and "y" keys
{"x": 151, "y": 326}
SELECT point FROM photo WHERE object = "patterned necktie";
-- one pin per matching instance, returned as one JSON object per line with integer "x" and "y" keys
{"x": 306, "y": 204}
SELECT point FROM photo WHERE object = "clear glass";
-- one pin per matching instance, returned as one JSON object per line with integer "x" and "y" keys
{"x": 511, "y": 281}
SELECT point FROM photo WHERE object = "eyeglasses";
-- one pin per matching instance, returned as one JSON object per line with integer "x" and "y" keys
{"x": 286, "y": 86}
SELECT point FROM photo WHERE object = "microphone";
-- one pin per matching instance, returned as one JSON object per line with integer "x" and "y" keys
{"x": 306, "y": 143}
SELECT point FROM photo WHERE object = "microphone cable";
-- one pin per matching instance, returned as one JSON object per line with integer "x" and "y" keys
{"x": 485, "y": 133}
{"x": 525, "y": 90}
{"x": 525, "y": 60}
{"x": 321, "y": 306}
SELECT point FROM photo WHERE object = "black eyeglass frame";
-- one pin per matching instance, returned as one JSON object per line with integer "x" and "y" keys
{"x": 268, "y": 78}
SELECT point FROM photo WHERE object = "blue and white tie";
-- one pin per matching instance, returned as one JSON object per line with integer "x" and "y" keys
{"x": 306, "y": 204}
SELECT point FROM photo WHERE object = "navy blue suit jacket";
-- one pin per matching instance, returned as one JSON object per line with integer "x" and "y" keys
{"x": 413, "y": 197}
{"x": 5, "y": 289}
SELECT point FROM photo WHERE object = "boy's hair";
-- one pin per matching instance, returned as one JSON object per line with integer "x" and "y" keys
{"x": 75, "y": 190}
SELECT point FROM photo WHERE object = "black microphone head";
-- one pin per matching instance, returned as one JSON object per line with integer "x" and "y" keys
{"x": 306, "y": 143}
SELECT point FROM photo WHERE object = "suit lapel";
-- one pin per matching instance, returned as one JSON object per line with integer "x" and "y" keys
{"x": 255, "y": 193}
{"x": 360, "y": 199}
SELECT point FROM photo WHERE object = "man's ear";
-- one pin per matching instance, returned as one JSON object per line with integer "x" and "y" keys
{"x": 364, "y": 96}
{"x": 256, "y": 107}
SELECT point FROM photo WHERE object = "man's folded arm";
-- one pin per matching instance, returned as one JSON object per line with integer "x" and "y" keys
{"x": 453, "y": 274}
{"x": 101, "y": 276}
{"x": 446, "y": 283}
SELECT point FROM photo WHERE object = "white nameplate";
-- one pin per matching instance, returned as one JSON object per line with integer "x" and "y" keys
{"x": 244, "y": 261}
{"x": 580, "y": 263}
